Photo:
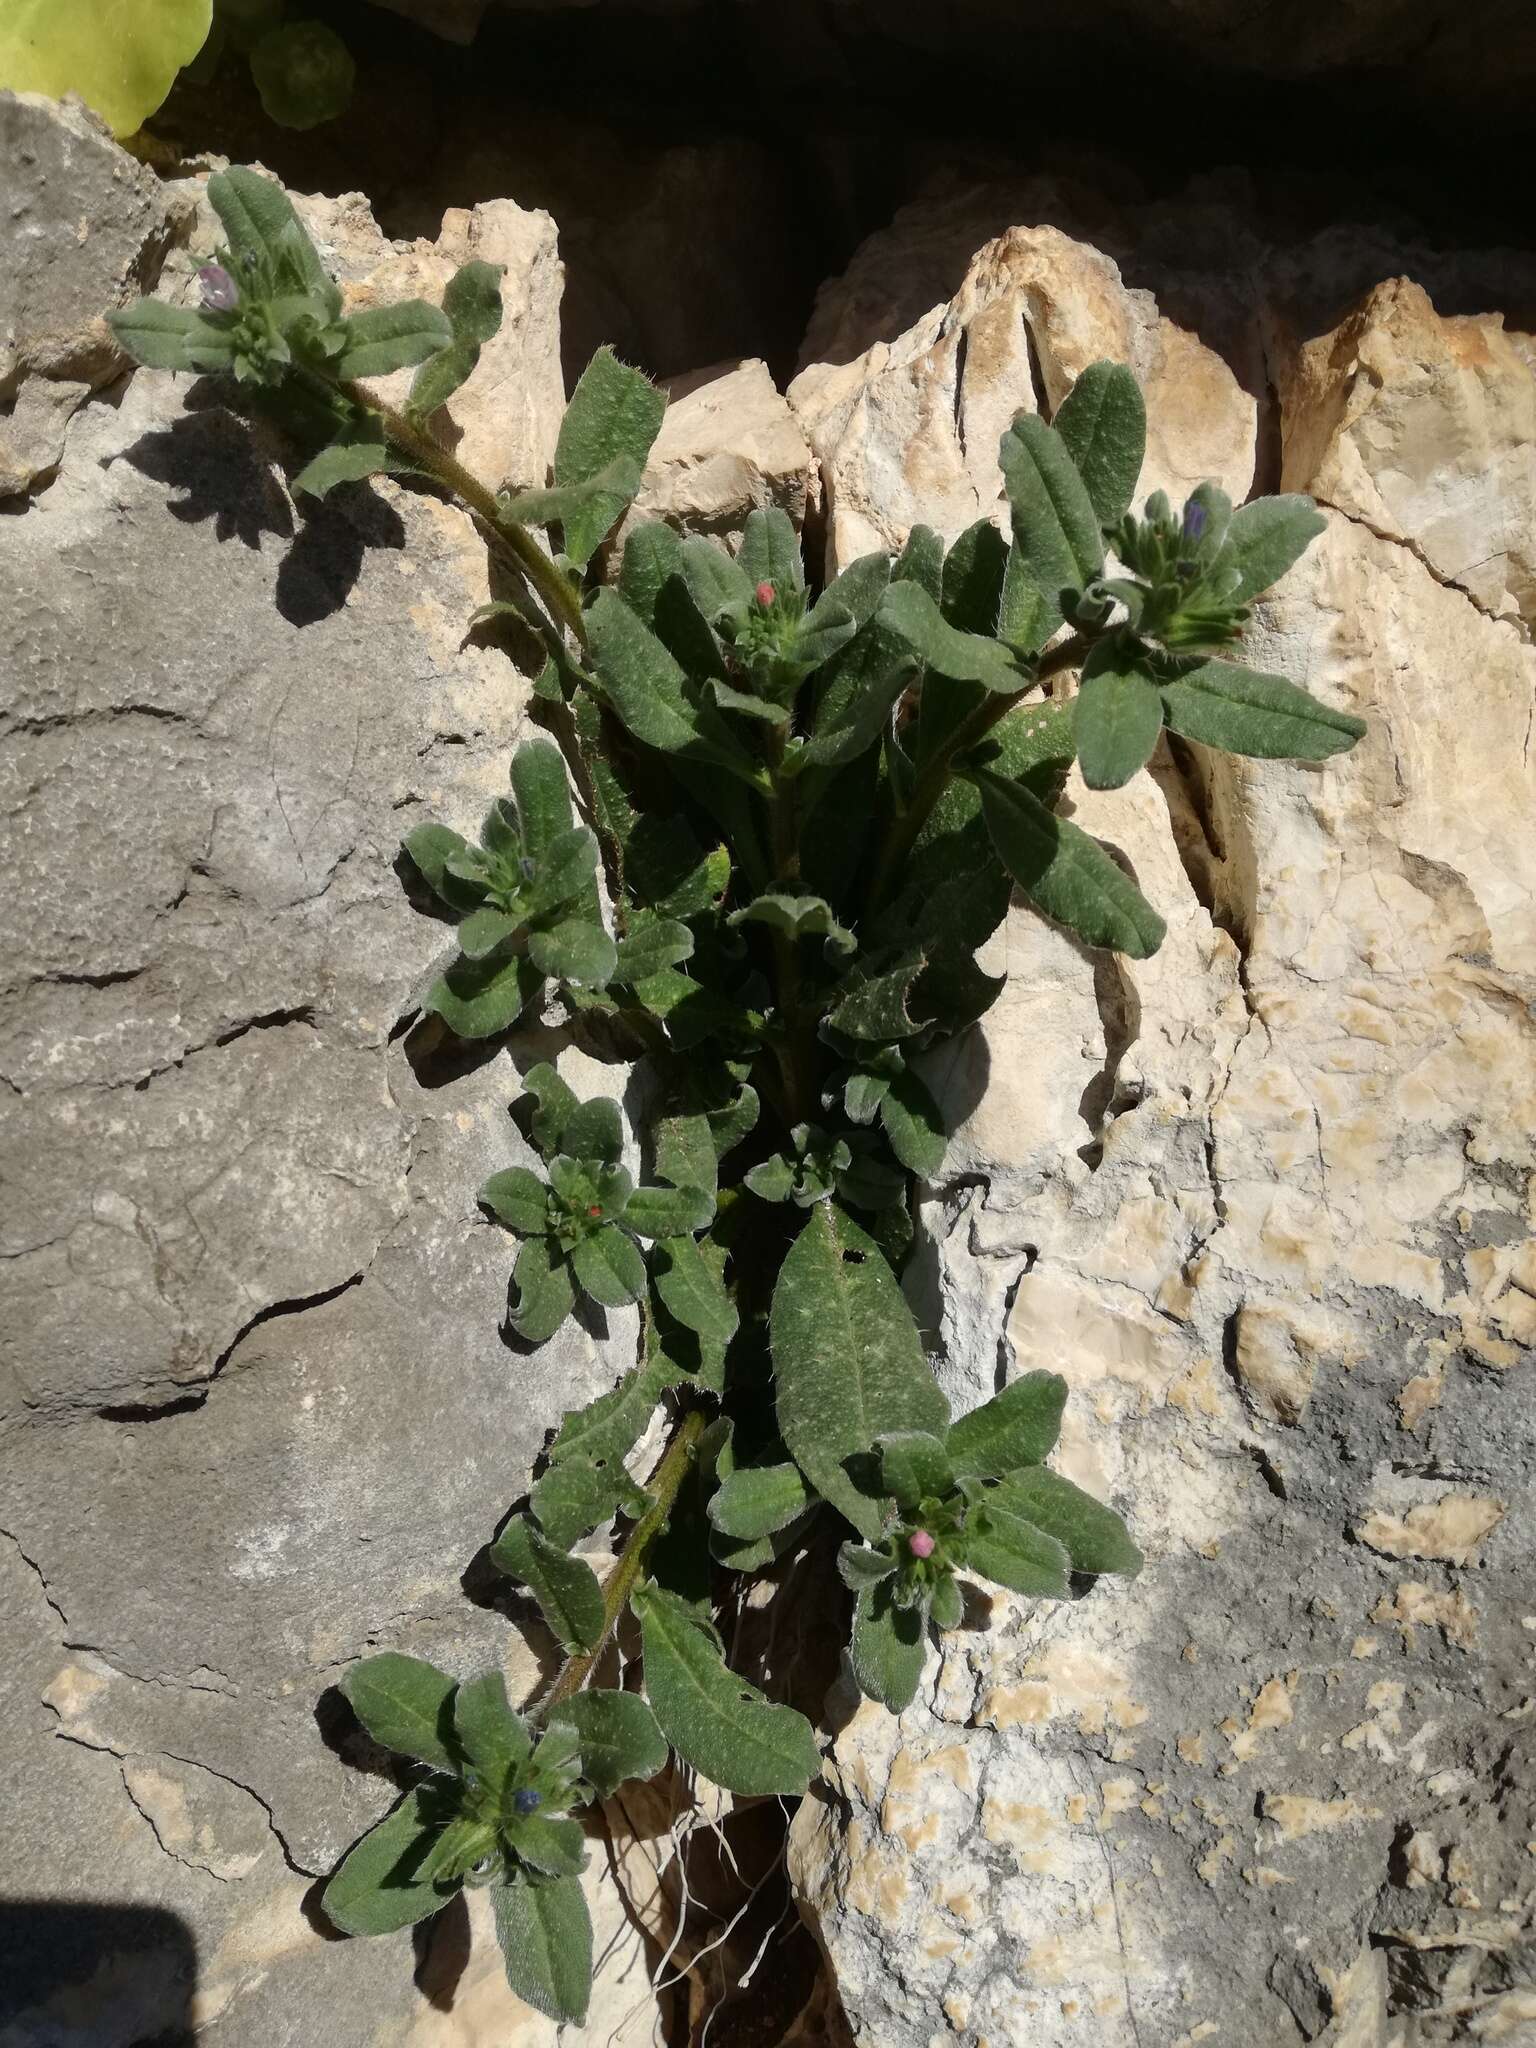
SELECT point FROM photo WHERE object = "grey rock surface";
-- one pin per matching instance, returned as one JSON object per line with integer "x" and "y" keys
{"x": 256, "y": 1412}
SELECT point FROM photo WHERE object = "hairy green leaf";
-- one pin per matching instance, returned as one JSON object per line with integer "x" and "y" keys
{"x": 385, "y": 338}
{"x": 888, "y": 1647}
{"x": 914, "y": 1466}
{"x": 574, "y": 951}
{"x": 1007, "y": 1546}
{"x": 157, "y": 335}
{"x": 545, "y": 1933}
{"x": 546, "y": 1293}
{"x": 377, "y": 1889}
{"x": 1103, "y": 424}
{"x": 964, "y": 657}
{"x": 593, "y": 1129}
{"x": 579, "y": 1493}
{"x": 1247, "y": 712}
{"x": 609, "y": 1266}
{"x": 1065, "y": 873}
{"x": 589, "y": 510}
{"x": 873, "y": 1005}
{"x": 913, "y": 1124}
{"x": 1017, "y": 1427}
{"x": 403, "y": 1702}
{"x": 556, "y": 1106}
{"x": 519, "y": 1199}
{"x": 691, "y": 1286}
{"x": 614, "y": 415}
{"x": 1093, "y": 1536}
{"x": 1117, "y": 715}
{"x": 848, "y": 1360}
{"x": 770, "y": 550}
{"x": 618, "y": 1734}
{"x": 1266, "y": 537}
{"x": 566, "y": 1588}
{"x": 668, "y": 1212}
{"x": 1055, "y": 528}
{"x": 921, "y": 562}
{"x": 648, "y": 691}
{"x": 715, "y": 1721}
{"x": 758, "y": 1500}
{"x": 479, "y": 998}
{"x": 651, "y": 944}
{"x": 472, "y": 304}
{"x": 491, "y": 1736}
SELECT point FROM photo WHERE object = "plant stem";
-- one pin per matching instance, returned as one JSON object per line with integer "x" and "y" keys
{"x": 796, "y": 1048}
{"x": 934, "y": 780}
{"x": 665, "y": 1484}
{"x": 562, "y": 603}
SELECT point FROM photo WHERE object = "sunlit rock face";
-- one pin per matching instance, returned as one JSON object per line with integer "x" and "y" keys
{"x": 1263, "y": 1199}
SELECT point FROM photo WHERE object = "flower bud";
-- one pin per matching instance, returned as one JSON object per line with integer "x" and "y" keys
{"x": 220, "y": 292}
{"x": 525, "y": 1800}
{"x": 1194, "y": 520}
{"x": 766, "y": 594}
{"x": 921, "y": 1544}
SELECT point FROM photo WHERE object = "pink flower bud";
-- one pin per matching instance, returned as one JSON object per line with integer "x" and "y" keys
{"x": 220, "y": 293}
{"x": 921, "y": 1544}
{"x": 766, "y": 594}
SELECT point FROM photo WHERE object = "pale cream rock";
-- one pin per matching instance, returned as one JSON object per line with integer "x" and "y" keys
{"x": 729, "y": 445}
{"x": 1424, "y": 429}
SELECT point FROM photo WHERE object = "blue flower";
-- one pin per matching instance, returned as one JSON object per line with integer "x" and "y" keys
{"x": 220, "y": 292}
{"x": 1194, "y": 520}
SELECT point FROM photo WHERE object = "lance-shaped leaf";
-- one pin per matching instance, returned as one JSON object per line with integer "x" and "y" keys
{"x": 385, "y": 338}
{"x": 921, "y": 562}
{"x": 546, "y": 1293}
{"x": 947, "y": 1608}
{"x": 1065, "y": 873}
{"x": 472, "y": 305}
{"x": 758, "y": 1500}
{"x": 590, "y": 509}
{"x": 1247, "y": 712}
{"x": 668, "y": 1212}
{"x": 479, "y": 998}
{"x": 650, "y": 945}
{"x": 593, "y": 1130}
{"x": 716, "y": 582}
{"x": 913, "y": 1124}
{"x": 1055, "y": 528}
{"x": 618, "y": 1735}
{"x": 863, "y": 1095}
{"x": 770, "y": 550}
{"x": 715, "y": 1721}
{"x": 403, "y": 1702}
{"x": 609, "y": 1427}
{"x": 1103, "y": 423}
{"x": 491, "y": 1736}
{"x": 964, "y": 657}
{"x": 543, "y": 794}
{"x": 574, "y": 951}
{"x": 888, "y": 1647}
{"x": 566, "y": 1588}
{"x": 557, "y": 1104}
{"x": 574, "y": 1496}
{"x": 857, "y": 591}
{"x": 859, "y": 685}
{"x": 797, "y": 917}
{"x": 609, "y": 1266}
{"x": 647, "y": 690}
{"x": 1017, "y": 1427}
{"x": 685, "y": 1153}
{"x": 614, "y": 415}
{"x": 1265, "y": 538}
{"x": 858, "y": 1566}
{"x": 431, "y": 848}
{"x": 848, "y": 1361}
{"x": 550, "y": 1843}
{"x": 693, "y": 1289}
{"x": 485, "y": 929}
{"x": 545, "y": 1934}
{"x": 1026, "y": 616}
{"x": 258, "y": 217}
{"x": 914, "y": 1466}
{"x": 358, "y": 451}
{"x": 653, "y": 554}
{"x": 519, "y": 1199}
{"x": 874, "y": 1005}
{"x": 1093, "y": 1536}
{"x": 157, "y": 335}
{"x": 1117, "y": 714}
{"x": 1008, "y": 1547}
{"x": 378, "y": 1888}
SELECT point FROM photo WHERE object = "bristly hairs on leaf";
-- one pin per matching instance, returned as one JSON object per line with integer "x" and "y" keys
{"x": 797, "y": 817}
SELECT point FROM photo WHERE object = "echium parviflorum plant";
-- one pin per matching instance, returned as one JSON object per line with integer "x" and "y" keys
{"x": 798, "y": 813}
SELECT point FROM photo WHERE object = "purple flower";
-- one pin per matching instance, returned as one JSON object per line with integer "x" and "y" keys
{"x": 921, "y": 1543}
{"x": 220, "y": 292}
{"x": 525, "y": 1800}
{"x": 1194, "y": 520}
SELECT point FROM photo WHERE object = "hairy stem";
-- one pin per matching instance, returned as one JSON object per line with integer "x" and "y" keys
{"x": 560, "y": 600}
{"x": 931, "y": 784}
{"x": 665, "y": 1483}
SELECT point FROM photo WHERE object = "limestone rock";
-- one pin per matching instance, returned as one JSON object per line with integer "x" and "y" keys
{"x": 907, "y": 429}
{"x": 256, "y": 1414}
{"x": 1264, "y": 1200}
{"x": 728, "y": 445}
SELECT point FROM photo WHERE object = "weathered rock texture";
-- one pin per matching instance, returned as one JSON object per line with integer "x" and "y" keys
{"x": 255, "y": 1412}
{"x": 1266, "y": 1201}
